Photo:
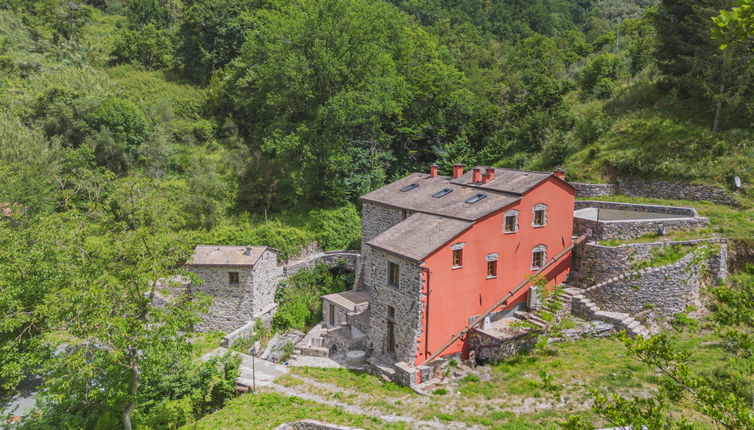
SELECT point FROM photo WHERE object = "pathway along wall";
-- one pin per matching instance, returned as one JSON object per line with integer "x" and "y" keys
{"x": 657, "y": 189}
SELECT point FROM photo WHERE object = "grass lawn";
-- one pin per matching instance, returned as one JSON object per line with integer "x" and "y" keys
{"x": 529, "y": 391}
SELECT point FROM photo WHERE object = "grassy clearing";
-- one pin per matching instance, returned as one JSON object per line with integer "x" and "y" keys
{"x": 268, "y": 410}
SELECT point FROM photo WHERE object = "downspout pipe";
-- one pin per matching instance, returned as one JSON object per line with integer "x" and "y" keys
{"x": 505, "y": 298}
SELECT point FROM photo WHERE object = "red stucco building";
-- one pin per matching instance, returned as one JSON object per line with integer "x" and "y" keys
{"x": 440, "y": 250}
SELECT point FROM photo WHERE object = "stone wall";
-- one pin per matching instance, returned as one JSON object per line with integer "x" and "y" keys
{"x": 405, "y": 299}
{"x": 593, "y": 190}
{"x": 348, "y": 259}
{"x": 490, "y": 349}
{"x": 636, "y": 207}
{"x": 234, "y": 305}
{"x": 376, "y": 219}
{"x": 667, "y": 289}
{"x": 593, "y": 263}
{"x": 313, "y": 425}
{"x": 674, "y": 190}
{"x": 657, "y": 189}
{"x": 632, "y": 229}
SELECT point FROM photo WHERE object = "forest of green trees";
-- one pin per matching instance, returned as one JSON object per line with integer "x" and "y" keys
{"x": 132, "y": 130}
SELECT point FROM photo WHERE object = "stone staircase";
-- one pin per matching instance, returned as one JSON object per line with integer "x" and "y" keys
{"x": 534, "y": 318}
{"x": 584, "y": 308}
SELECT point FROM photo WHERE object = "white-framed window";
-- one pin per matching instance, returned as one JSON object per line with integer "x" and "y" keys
{"x": 457, "y": 259}
{"x": 538, "y": 257}
{"x": 539, "y": 215}
{"x": 510, "y": 222}
{"x": 492, "y": 265}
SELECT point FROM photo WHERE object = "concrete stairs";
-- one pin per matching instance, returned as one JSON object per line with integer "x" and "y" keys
{"x": 585, "y": 308}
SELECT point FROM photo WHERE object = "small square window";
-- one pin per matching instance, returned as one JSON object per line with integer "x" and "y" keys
{"x": 491, "y": 269}
{"x": 233, "y": 278}
{"x": 393, "y": 274}
{"x": 390, "y": 312}
{"x": 457, "y": 257}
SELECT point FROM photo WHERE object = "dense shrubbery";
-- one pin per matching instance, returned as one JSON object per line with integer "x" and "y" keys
{"x": 299, "y": 303}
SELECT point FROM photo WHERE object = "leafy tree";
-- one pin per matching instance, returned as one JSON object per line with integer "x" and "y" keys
{"x": 210, "y": 36}
{"x": 599, "y": 76}
{"x": 160, "y": 13}
{"x": 692, "y": 60}
{"x": 364, "y": 88}
{"x": 148, "y": 46}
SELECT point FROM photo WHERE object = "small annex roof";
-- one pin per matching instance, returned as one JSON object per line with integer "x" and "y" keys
{"x": 221, "y": 255}
{"x": 506, "y": 180}
{"x": 350, "y": 299}
{"x": 419, "y": 235}
{"x": 453, "y": 204}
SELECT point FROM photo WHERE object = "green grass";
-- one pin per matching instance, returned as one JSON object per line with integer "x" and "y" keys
{"x": 269, "y": 410}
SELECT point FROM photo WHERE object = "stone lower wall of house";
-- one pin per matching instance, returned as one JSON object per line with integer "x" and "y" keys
{"x": 405, "y": 299}
{"x": 376, "y": 219}
{"x": 233, "y": 305}
{"x": 593, "y": 190}
{"x": 267, "y": 274}
{"x": 674, "y": 190}
{"x": 594, "y": 263}
{"x": 667, "y": 290}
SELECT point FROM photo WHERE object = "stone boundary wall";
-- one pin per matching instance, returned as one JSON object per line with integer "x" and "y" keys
{"x": 490, "y": 349}
{"x": 350, "y": 259}
{"x": 632, "y": 229}
{"x": 313, "y": 425}
{"x": 667, "y": 289}
{"x": 674, "y": 190}
{"x": 657, "y": 189}
{"x": 593, "y": 190}
{"x": 636, "y": 207}
{"x": 594, "y": 263}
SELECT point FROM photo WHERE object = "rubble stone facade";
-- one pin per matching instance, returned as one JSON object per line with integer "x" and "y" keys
{"x": 376, "y": 219}
{"x": 234, "y": 305}
{"x": 405, "y": 299}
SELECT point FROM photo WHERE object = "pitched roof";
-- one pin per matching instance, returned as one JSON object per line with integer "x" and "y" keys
{"x": 349, "y": 299}
{"x": 452, "y": 205}
{"x": 506, "y": 180}
{"x": 218, "y": 255}
{"x": 419, "y": 235}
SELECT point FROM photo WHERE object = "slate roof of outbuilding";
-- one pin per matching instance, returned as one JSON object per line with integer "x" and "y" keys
{"x": 349, "y": 299}
{"x": 419, "y": 235}
{"x": 220, "y": 255}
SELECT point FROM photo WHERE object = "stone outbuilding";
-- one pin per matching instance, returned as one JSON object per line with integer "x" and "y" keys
{"x": 241, "y": 279}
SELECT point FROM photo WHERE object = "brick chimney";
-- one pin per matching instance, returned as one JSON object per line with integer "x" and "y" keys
{"x": 560, "y": 173}
{"x": 486, "y": 178}
{"x": 457, "y": 171}
{"x": 491, "y": 171}
{"x": 475, "y": 175}
{"x": 433, "y": 170}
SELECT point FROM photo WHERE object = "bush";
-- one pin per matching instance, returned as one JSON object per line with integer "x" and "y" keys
{"x": 149, "y": 47}
{"x": 299, "y": 303}
{"x": 599, "y": 76}
{"x": 337, "y": 228}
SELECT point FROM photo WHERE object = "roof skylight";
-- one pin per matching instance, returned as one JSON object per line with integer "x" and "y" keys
{"x": 475, "y": 198}
{"x": 442, "y": 193}
{"x": 409, "y": 187}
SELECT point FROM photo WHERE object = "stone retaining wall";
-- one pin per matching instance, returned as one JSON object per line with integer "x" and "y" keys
{"x": 674, "y": 190}
{"x": 667, "y": 289}
{"x": 636, "y": 207}
{"x": 632, "y": 229}
{"x": 657, "y": 189}
{"x": 593, "y": 263}
{"x": 593, "y": 190}
{"x": 490, "y": 349}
